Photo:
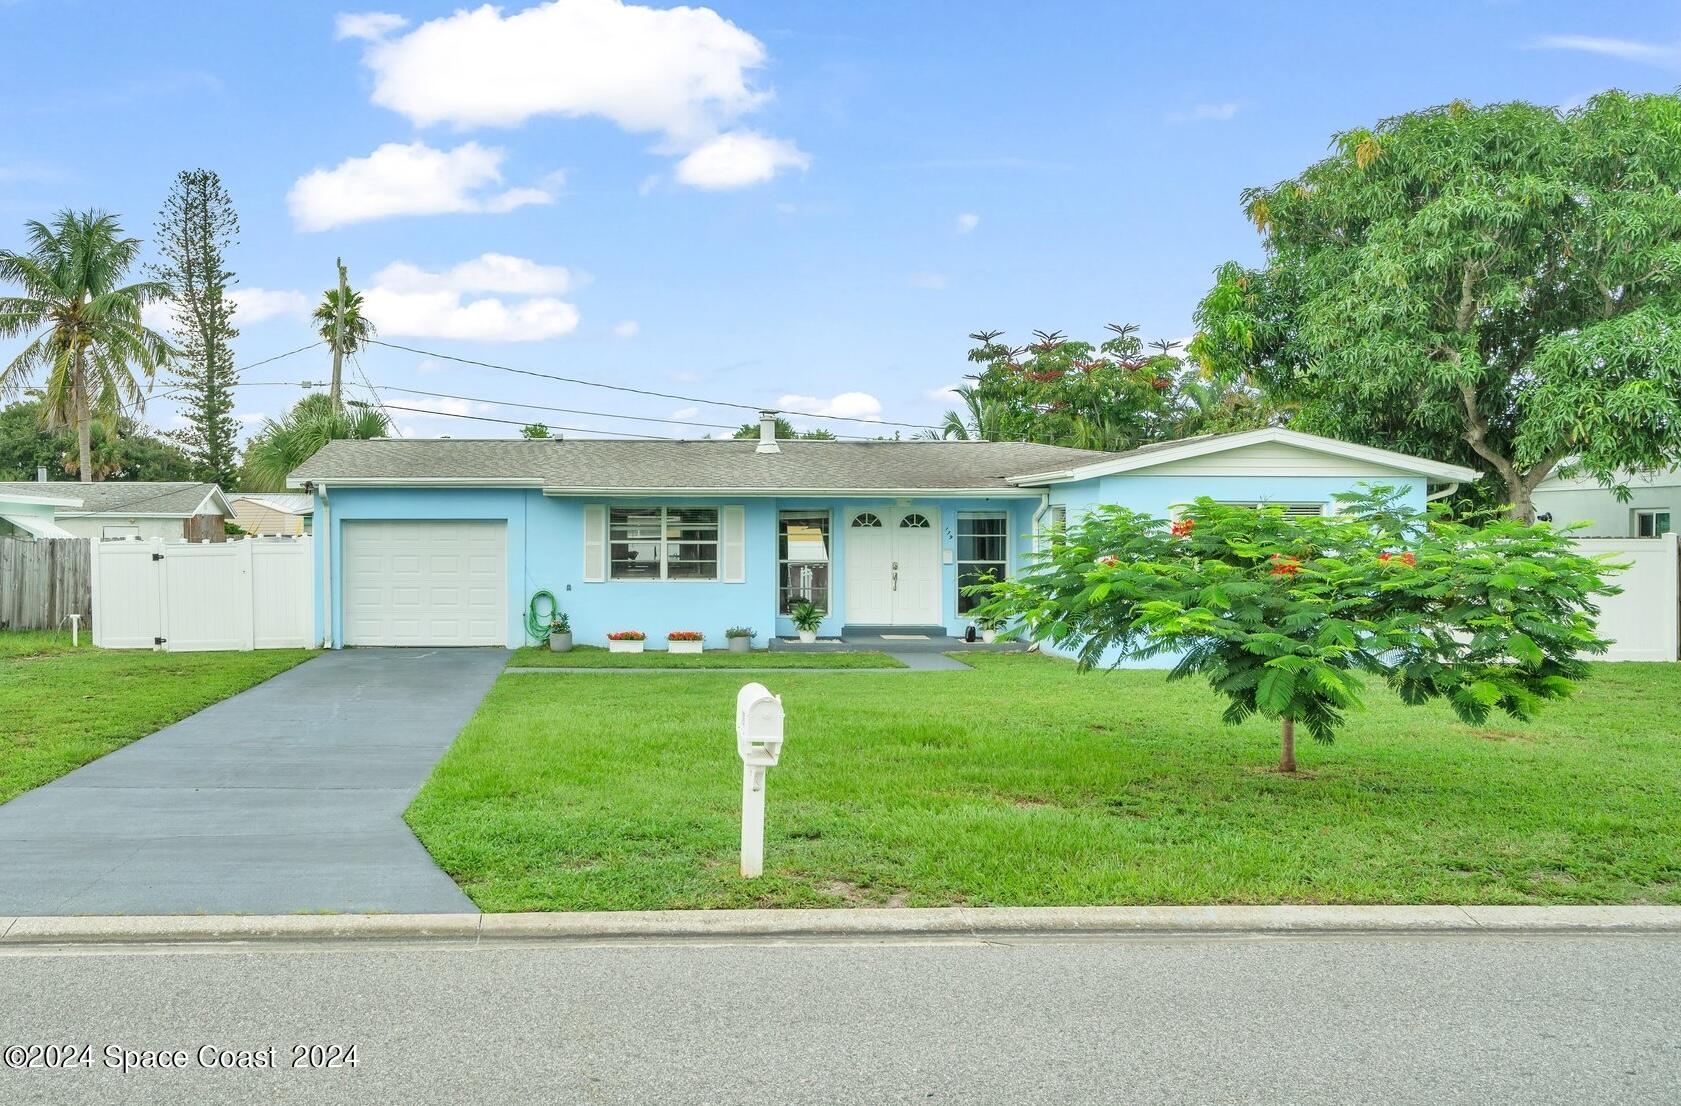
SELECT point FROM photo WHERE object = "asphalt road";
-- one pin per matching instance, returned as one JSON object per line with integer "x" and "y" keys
{"x": 1347, "y": 1019}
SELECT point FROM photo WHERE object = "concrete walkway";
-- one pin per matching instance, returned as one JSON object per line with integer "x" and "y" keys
{"x": 287, "y": 797}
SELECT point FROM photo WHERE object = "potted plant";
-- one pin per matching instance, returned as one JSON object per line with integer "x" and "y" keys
{"x": 989, "y": 628}
{"x": 626, "y": 641}
{"x": 560, "y": 633}
{"x": 684, "y": 641}
{"x": 806, "y": 617}
{"x": 740, "y": 639}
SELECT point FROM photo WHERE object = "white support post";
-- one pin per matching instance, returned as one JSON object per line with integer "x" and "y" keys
{"x": 752, "y": 821}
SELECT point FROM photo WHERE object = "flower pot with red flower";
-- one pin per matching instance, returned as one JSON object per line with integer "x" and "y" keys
{"x": 685, "y": 641}
{"x": 626, "y": 641}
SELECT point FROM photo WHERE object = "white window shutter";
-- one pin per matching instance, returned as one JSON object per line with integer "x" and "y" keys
{"x": 732, "y": 545}
{"x": 595, "y": 543}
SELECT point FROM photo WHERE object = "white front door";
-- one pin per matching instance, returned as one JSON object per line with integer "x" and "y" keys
{"x": 892, "y": 566}
{"x": 424, "y": 583}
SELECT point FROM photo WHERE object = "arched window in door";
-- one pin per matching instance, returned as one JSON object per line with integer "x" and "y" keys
{"x": 914, "y": 521}
{"x": 864, "y": 518}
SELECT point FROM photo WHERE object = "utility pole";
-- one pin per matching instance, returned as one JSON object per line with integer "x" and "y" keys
{"x": 338, "y": 337}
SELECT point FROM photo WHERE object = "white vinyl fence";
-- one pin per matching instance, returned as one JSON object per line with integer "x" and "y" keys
{"x": 1644, "y": 622}
{"x": 254, "y": 593}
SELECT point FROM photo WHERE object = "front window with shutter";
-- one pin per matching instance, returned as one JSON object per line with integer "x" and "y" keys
{"x": 663, "y": 543}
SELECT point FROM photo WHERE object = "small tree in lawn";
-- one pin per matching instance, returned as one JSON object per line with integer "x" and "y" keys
{"x": 1284, "y": 615}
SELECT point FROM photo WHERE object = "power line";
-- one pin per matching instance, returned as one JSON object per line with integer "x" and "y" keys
{"x": 562, "y": 410}
{"x": 518, "y": 422}
{"x": 643, "y": 391}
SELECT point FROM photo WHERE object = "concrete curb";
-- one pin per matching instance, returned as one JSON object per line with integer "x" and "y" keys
{"x": 868, "y": 924}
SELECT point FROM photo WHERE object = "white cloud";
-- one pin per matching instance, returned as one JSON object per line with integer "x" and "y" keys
{"x": 1667, "y": 55}
{"x": 408, "y": 301}
{"x": 256, "y": 304}
{"x": 680, "y": 71}
{"x": 948, "y": 394}
{"x": 371, "y": 26}
{"x": 630, "y": 328}
{"x": 490, "y": 272}
{"x": 967, "y": 222}
{"x": 411, "y": 179}
{"x": 737, "y": 159}
{"x": 685, "y": 412}
{"x": 932, "y": 281}
{"x": 852, "y": 405}
{"x": 253, "y": 305}
{"x": 1206, "y": 113}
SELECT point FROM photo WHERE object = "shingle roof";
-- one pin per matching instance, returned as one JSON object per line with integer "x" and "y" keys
{"x": 138, "y": 497}
{"x": 690, "y": 465}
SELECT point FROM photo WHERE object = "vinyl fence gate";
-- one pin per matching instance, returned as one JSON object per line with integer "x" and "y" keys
{"x": 255, "y": 593}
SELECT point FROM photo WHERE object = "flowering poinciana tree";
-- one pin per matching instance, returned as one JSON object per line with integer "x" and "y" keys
{"x": 1283, "y": 614}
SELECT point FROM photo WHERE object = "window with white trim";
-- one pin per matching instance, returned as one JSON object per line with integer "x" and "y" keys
{"x": 1651, "y": 524}
{"x": 802, "y": 559}
{"x": 663, "y": 543}
{"x": 983, "y": 552}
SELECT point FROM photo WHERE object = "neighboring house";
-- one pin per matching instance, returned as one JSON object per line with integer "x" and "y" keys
{"x": 124, "y": 509}
{"x": 31, "y": 516}
{"x": 442, "y": 542}
{"x": 272, "y": 513}
{"x": 1652, "y": 510}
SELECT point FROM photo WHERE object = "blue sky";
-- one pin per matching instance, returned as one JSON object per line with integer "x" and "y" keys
{"x": 807, "y": 205}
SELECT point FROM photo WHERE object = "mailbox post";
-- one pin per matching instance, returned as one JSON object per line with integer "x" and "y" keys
{"x": 758, "y": 739}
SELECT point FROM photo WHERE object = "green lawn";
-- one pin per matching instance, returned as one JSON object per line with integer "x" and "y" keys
{"x": 1028, "y": 783}
{"x": 62, "y": 707}
{"x": 594, "y": 656}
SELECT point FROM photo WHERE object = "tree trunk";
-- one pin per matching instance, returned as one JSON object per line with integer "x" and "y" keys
{"x": 1287, "y": 745}
{"x": 84, "y": 425}
{"x": 1520, "y": 506}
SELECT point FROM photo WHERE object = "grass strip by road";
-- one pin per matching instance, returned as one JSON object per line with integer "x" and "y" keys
{"x": 61, "y": 707}
{"x": 1029, "y": 784}
{"x": 593, "y": 656}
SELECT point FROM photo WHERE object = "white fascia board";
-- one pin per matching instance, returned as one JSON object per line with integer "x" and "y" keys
{"x": 38, "y": 500}
{"x": 1334, "y": 447}
{"x": 216, "y": 502}
{"x": 415, "y": 482}
{"x": 799, "y": 493}
{"x": 1662, "y": 478}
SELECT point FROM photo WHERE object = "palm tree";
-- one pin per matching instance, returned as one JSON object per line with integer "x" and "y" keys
{"x": 358, "y": 328}
{"x": 281, "y": 446}
{"x": 344, "y": 333}
{"x": 985, "y": 419}
{"x": 91, "y": 336}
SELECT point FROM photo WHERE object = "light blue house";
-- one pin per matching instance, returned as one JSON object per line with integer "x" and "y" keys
{"x": 442, "y": 542}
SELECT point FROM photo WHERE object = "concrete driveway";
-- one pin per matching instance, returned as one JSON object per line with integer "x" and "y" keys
{"x": 287, "y": 797}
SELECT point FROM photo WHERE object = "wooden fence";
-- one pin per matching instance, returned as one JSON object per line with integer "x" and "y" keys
{"x": 42, "y": 582}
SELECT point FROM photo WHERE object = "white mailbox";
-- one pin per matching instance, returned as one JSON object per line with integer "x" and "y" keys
{"x": 758, "y": 740}
{"x": 758, "y": 726}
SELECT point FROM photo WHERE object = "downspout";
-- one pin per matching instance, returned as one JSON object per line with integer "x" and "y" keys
{"x": 1038, "y": 520}
{"x": 1443, "y": 494}
{"x": 324, "y": 533}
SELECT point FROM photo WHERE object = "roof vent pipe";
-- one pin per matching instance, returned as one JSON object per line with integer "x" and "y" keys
{"x": 767, "y": 433}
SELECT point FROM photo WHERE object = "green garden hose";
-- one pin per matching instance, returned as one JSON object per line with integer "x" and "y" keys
{"x": 536, "y": 622}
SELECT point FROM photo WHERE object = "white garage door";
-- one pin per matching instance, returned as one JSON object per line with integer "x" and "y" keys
{"x": 425, "y": 583}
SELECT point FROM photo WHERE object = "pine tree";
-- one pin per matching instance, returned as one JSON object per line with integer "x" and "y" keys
{"x": 196, "y": 228}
